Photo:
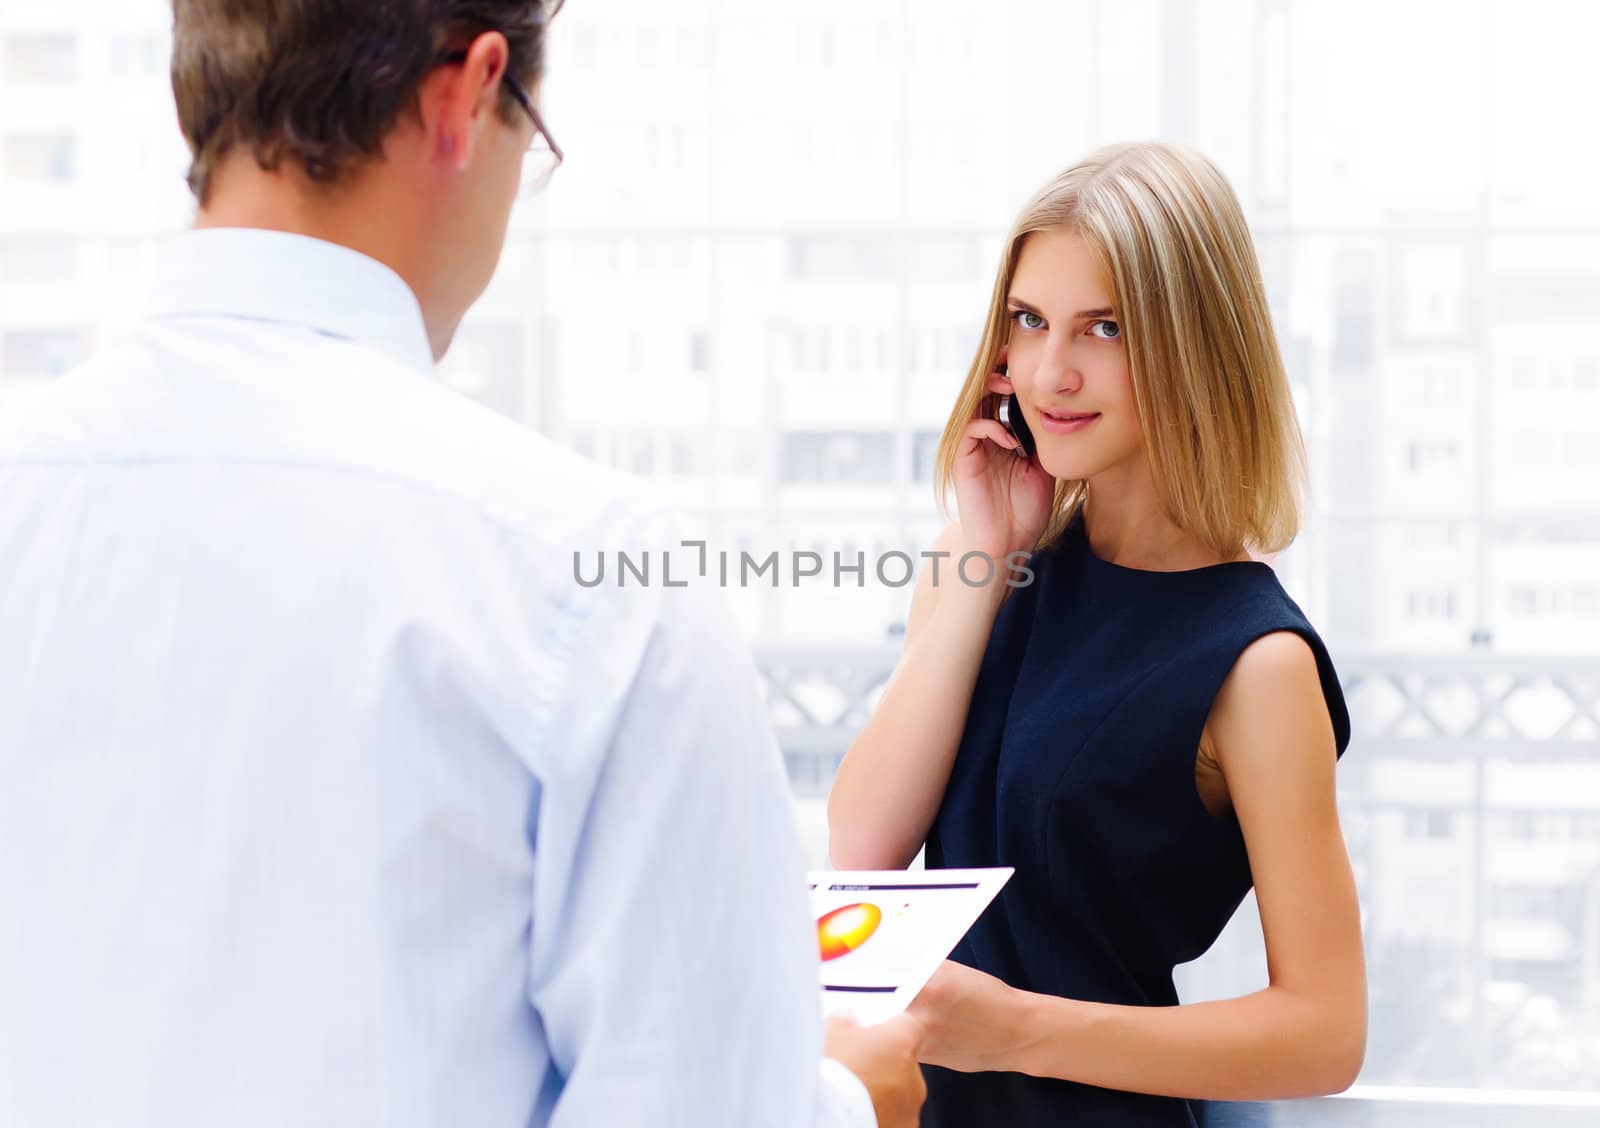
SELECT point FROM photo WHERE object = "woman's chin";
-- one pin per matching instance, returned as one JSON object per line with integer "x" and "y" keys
{"x": 1064, "y": 467}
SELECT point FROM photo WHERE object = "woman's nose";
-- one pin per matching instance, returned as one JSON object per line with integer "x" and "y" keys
{"x": 1058, "y": 375}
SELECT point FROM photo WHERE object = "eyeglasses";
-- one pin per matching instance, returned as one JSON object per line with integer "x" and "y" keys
{"x": 544, "y": 156}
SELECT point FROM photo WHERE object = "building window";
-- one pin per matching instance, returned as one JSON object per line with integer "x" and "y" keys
{"x": 1429, "y": 453}
{"x": 924, "y": 449}
{"x": 34, "y": 354}
{"x": 1431, "y": 534}
{"x": 685, "y": 453}
{"x": 41, "y": 58}
{"x": 1431, "y": 603}
{"x": 40, "y": 156}
{"x": 743, "y": 452}
{"x": 1556, "y": 601}
{"x": 1430, "y": 823}
{"x": 133, "y": 56}
{"x": 31, "y": 260}
{"x": 486, "y": 362}
{"x": 838, "y": 456}
{"x": 1435, "y": 286}
{"x": 634, "y": 452}
{"x": 811, "y": 350}
{"x": 849, "y": 257}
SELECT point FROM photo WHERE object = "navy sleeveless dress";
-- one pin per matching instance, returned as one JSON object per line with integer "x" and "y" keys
{"x": 1077, "y": 767}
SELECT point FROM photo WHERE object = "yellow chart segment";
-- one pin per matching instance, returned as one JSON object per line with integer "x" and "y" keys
{"x": 846, "y": 928}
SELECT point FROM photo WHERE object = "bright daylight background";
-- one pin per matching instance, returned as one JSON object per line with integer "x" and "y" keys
{"x": 758, "y": 281}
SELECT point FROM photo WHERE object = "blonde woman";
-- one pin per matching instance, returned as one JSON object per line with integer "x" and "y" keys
{"x": 1149, "y": 727}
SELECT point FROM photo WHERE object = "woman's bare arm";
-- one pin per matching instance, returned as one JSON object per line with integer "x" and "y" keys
{"x": 1305, "y": 1033}
{"x": 892, "y": 780}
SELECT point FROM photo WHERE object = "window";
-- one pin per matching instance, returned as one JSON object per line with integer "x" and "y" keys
{"x": 838, "y": 456}
{"x": 1434, "y": 292}
{"x": 685, "y": 454}
{"x": 581, "y": 440}
{"x": 1430, "y": 823}
{"x": 634, "y": 452}
{"x": 811, "y": 350}
{"x": 828, "y": 214}
{"x": 1431, "y": 603}
{"x": 486, "y": 362}
{"x": 33, "y": 354}
{"x": 1430, "y": 454}
{"x": 35, "y": 260}
{"x": 844, "y": 257}
{"x": 1528, "y": 600}
{"x": 135, "y": 56}
{"x": 1432, "y": 534}
{"x": 41, "y": 156}
{"x": 930, "y": 258}
{"x": 42, "y": 58}
{"x": 924, "y": 449}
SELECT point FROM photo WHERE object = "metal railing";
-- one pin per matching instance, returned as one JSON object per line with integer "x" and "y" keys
{"x": 1474, "y": 764}
{"x": 1431, "y": 707}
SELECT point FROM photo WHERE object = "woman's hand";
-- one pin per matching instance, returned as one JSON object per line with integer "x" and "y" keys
{"x": 973, "y": 1021}
{"x": 1004, "y": 498}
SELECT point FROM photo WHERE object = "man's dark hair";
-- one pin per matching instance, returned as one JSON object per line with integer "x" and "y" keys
{"x": 322, "y": 81}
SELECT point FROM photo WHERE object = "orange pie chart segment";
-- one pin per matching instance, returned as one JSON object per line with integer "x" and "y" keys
{"x": 846, "y": 928}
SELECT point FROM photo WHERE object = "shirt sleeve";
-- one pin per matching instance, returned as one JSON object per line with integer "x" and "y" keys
{"x": 673, "y": 959}
{"x": 845, "y": 1100}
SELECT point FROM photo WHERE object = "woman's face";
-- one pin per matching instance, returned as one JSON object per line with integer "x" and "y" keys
{"x": 1066, "y": 361}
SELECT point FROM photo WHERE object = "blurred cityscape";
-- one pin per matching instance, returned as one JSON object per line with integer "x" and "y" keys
{"x": 759, "y": 278}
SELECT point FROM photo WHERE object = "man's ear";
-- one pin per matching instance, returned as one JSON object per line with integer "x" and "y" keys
{"x": 461, "y": 99}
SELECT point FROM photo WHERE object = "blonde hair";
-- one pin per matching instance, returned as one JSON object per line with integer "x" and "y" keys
{"x": 1213, "y": 400}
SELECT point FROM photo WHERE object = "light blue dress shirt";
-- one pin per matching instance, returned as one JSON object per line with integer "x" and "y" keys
{"x": 327, "y": 795}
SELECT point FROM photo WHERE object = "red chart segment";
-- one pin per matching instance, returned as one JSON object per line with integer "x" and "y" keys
{"x": 846, "y": 928}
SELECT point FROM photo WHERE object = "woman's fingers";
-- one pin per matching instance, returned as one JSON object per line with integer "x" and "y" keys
{"x": 991, "y": 429}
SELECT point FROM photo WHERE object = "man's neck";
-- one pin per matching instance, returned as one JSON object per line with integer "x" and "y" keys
{"x": 357, "y": 213}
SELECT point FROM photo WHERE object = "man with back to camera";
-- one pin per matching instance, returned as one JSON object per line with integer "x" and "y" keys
{"x": 329, "y": 796}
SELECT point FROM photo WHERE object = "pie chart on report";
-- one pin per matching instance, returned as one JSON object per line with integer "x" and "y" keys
{"x": 843, "y": 930}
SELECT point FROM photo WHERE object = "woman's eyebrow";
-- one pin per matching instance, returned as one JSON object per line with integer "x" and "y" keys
{"x": 1104, "y": 311}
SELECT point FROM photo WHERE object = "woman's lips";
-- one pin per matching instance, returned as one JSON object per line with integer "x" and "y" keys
{"x": 1066, "y": 424}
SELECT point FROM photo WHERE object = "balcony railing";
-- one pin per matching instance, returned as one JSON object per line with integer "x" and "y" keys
{"x": 1471, "y": 804}
{"x": 1456, "y": 708}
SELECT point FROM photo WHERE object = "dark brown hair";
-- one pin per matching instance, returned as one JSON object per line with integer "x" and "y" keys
{"x": 322, "y": 81}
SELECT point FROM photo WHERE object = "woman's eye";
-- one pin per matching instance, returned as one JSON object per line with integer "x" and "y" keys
{"x": 1027, "y": 319}
{"x": 1105, "y": 330}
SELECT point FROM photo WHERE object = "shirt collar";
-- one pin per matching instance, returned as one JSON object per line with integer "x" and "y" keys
{"x": 293, "y": 279}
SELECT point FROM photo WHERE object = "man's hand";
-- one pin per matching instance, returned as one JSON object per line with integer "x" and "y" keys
{"x": 884, "y": 1056}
